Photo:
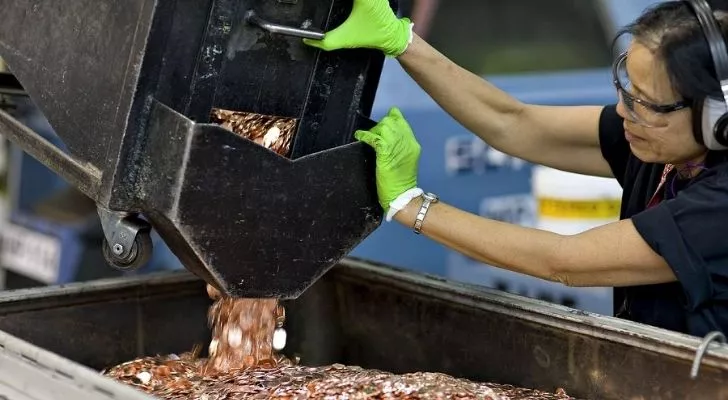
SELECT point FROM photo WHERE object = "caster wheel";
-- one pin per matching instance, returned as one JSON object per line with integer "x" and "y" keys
{"x": 141, "y": 252}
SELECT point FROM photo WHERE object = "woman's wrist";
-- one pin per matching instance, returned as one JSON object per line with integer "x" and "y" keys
{"x": 412, "y": 49}
{"x": 401, "y": 201}
{"x": 408, "y": 214}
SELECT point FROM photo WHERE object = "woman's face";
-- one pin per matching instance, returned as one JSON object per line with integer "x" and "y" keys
{"x": 655, "y": 137}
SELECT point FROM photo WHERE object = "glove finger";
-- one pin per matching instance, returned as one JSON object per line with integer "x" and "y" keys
{"x": 403, "y": 126}
{"x": 395, "y": 113}
{"x": 367, "y": 137}
{"x": 314, "y": 43}
{"x": 336, "y": 38}
{"x": 400, "y": 120}
{"x": 328, "y": 43}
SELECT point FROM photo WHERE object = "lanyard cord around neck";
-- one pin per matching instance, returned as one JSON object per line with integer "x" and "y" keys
{"x": 658, "y": 196}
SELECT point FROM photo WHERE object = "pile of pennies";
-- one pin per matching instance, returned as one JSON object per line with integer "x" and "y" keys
{"x": 177, "y": 378}
{"x": 272, "y": 132}
{"x": 243, "y": 363}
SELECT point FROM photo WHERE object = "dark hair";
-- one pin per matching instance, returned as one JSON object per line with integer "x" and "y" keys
{"x": 671, "y": 29}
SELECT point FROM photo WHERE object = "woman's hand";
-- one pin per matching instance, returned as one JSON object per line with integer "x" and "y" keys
{"x": 372, "y": 24}
{"x": 398, "y": 154}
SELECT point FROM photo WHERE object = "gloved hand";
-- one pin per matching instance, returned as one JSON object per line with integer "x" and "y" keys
{"x": 372, "y": 24}
{"x": 398, "y": 154}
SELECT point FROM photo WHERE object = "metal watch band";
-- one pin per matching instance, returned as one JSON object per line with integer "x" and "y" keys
{"x": 429, "y": 199}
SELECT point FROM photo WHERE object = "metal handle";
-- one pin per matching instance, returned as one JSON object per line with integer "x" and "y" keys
{"x": 252, "y": 18}
{"x": 709, "y": 338}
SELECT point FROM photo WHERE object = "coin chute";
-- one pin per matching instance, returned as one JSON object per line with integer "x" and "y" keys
{"x": 210, "y": 122}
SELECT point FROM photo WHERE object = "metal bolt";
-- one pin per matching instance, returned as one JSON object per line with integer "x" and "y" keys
{"x": 117, "y": 249}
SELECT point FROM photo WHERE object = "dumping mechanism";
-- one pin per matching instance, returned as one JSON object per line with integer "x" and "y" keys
{"x": 209, "y": 121}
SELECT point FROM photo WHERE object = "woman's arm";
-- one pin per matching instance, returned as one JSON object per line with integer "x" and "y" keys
{"x": 563, "y": 137}
{"x": 610, "y": 255}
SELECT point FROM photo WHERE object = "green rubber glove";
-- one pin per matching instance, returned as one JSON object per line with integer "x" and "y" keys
{"x": 372, "y": 24}
{"x": 398, "y": 154}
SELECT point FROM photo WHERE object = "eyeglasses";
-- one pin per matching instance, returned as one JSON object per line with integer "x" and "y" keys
{"x": 641, "y": 111}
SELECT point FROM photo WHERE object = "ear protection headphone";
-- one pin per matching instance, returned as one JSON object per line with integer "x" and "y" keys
{"x": 712, "y": 127}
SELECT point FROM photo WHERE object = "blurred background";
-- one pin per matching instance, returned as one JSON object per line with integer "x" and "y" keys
{"x": 555, "y": 52}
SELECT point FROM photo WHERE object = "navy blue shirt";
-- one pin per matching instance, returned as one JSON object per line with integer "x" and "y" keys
{"x": 689, "y": 229}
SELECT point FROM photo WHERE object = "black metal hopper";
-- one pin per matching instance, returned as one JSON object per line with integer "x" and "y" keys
{"x": 129, "y": 87}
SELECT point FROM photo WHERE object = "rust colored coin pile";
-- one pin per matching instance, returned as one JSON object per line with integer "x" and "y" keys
{"x": 243, "y": 365}
{"x": 275, "y": 133}
{"x": 175, "y": 378}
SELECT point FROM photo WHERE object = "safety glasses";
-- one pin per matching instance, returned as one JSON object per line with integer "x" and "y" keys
{"x": 641, "y": 111}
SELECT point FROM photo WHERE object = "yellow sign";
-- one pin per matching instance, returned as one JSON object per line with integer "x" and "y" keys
{"x": 579, "y": 209}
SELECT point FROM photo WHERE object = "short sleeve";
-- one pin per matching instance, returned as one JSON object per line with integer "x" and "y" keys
{"x": 691, "y": 233}
{"x": 614, "y": 146}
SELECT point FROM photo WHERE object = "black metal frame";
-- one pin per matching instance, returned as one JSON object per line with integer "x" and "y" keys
{"x": 380, "y": 317}
{"x": 129, "y": 86}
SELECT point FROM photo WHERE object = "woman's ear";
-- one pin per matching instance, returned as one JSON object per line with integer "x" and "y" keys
{"x": 710, "y": 123}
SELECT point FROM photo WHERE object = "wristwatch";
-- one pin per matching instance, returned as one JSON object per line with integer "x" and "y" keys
{"x": 428, "y": 199}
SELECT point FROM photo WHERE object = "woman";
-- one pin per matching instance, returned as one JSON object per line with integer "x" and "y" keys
{"x": 668, "y": 255}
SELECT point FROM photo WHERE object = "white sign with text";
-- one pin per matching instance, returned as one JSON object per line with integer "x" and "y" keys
{"x": 30, "y": 253}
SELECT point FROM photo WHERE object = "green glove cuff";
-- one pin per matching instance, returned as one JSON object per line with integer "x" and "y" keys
{"x": 402, "y": 201}
{"x": 400, "y": 39}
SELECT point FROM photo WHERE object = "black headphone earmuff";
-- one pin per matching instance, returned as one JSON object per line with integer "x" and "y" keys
{"x": 711, "y": 123}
